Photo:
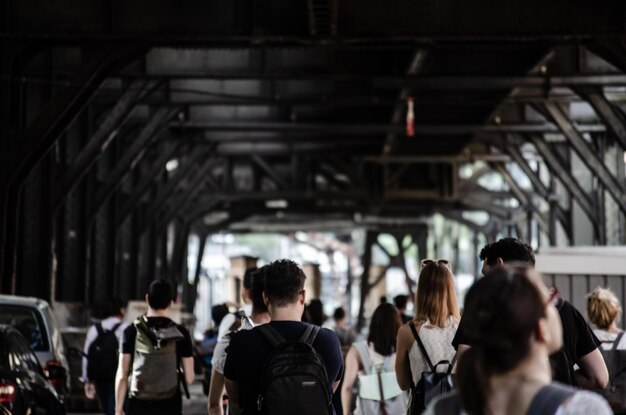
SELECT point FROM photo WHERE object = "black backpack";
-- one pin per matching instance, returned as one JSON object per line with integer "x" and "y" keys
{"x": 102, "y": 356}
{"x": 431, "y": 384}
{"x": 293, "y": 379}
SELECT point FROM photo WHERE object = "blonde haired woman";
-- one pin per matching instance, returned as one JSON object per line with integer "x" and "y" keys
{"x": 604, "y": 311}
{"x": 436, "y": 321}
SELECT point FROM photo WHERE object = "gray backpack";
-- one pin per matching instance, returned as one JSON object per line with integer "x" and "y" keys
{"x": 154, "y": 373}
{"x": 379, "y": 392}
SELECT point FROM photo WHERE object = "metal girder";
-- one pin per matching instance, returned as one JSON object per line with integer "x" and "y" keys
{"x": 473, "y": 83}
{"x": 538, "y": 185}
{"x": 62, "y": 109}
{"x": 591, "y": 160}
{"x": 444, "y": 129}
{"x": 287, "y": 22}
{"x": 280, "y": 183}
{"x": 100, "y": 140}
{"x": 180, "y": 200}
{"x": 559, "y": 170}
{"x": 607, "y": 113}
{"x": 132, "y": 155}
{"x": 520, "y": 194}
{"x": 169, "y": 188}
{"x": 41, "y": 135}
{"x": 165, "y": 154}
{"x": 349, "y": 168}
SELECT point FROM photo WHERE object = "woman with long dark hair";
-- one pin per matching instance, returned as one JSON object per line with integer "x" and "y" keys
{"x": 373, "y": 357}
{"x": 514, "y": 325}
{"x": 435, "y": 323}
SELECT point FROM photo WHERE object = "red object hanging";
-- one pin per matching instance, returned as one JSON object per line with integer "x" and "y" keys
{"x": 410, "y": 118}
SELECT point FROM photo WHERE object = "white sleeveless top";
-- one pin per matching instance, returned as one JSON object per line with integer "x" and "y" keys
{"x": 438, "y": 344}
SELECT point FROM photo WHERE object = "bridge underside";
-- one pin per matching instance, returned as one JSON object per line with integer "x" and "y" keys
{"x": 123, "y": 122}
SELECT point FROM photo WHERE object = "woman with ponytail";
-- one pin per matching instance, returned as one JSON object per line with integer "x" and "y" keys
{"x": 514, "y": 326}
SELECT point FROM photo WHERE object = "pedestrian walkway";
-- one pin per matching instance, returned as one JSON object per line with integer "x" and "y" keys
{"x": 197, "y": 405}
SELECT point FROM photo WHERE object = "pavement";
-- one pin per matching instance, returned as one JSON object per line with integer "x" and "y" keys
{"x": 197, "y": 405}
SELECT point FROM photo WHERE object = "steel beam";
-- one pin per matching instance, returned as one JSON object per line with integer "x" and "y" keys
{"x": 41, "y": 135}
{"x": 591, "y": 160}
{"x": 559, "y": 170}
{"x": 607, "y": 113}
{"x": 280, "y": 183}
{"x": 167, "y": 152}
{"x": 167, "y": 189}
{"x": 132, "y": 155}
{"x": 179, "y": 200}
{"x": 280, "y": 22}
{"x": 364, "y": 128}
{"x": 539, "y": 186}
{"x": 101, "y": 139}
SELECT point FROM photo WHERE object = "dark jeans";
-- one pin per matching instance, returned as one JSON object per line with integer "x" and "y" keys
{"x": 106, "y": 396}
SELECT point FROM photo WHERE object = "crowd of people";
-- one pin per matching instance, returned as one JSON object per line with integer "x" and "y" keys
{"x": 517, "y": 348}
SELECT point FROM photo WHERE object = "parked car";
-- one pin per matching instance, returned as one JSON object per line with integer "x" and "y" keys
{"x": 34, "y": 319}
{"x": 24, "y": 387}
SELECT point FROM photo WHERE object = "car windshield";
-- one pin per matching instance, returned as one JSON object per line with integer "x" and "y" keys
{"x": 28, "y": 322}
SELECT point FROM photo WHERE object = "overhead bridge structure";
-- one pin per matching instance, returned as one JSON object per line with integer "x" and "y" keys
{"x": 123, "y": 121}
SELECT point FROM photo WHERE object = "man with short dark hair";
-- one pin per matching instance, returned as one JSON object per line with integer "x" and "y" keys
{"x": 580, "y": 345}
{"x": 160, "y": 297}
{"x": 285, "y": 297}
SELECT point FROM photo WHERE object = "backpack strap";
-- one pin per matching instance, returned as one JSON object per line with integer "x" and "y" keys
{"x": 421, "y": 346}
{"x": 309, "y": 335}
{"x": 115, "y": 327}
{"x": 617, "y": 340}
{"x": 99, "y": 329}
{"x": 364, "y": 356}
{"x": 549, "y": 398}
{"x": 271, "y": 334}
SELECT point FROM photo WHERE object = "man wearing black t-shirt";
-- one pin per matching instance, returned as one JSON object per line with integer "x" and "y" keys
{"x": 285, "y": 296}
{"x": 159, "y": 298}
{"x": 580, "y": 345}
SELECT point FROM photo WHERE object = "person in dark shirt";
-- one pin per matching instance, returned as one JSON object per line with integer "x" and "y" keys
{"x": 159, "y": 298}
{"x": 580, "y": 345}
{"x": 401, "y": 301}
{"x": 285, "y": 296}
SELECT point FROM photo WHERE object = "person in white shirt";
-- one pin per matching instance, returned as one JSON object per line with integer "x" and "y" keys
{"x": 255, "y": 280}
{"x": 113, "y": 320}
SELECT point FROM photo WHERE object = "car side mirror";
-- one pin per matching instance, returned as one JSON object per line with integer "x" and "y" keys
{"x": 75, "y": 353}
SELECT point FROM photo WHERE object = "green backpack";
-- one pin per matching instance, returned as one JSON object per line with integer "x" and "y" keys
{"x": 155, "y": 364}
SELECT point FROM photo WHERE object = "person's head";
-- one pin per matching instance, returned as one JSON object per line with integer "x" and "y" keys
{"x": 506, "y": 250}
{"x": 256, "y": 291}
{"x": 247, "y": 285}
{"x": 218, "y": 312}
{"x": 315, "y": 311}
{"x": 384, "y": 328}
{"x": 160, "y": 294}
{"x": 509, "y": 318}
{"x": 400, "y": 301}
{"x": 113, "y": 308}
{"x": 339, "y": 314}
{"x": 603, "y": 308}
{"x": 435, "y": 299}
{"x": 284, "y": 284}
